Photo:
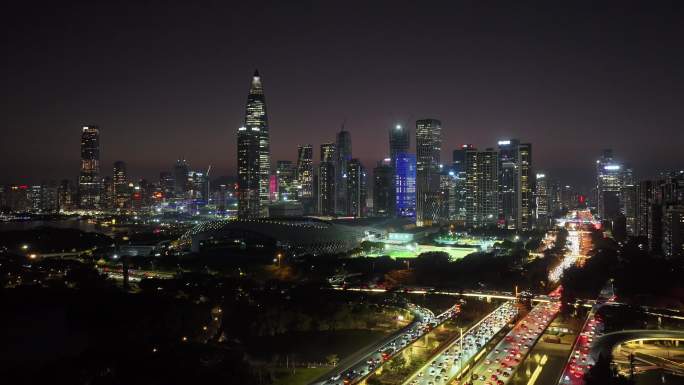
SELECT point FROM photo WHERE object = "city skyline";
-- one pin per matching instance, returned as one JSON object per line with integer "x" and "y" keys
{"x": 560, "y": 105}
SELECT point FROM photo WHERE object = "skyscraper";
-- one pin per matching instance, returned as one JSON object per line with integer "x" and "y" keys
{"x": 344, "y": 155}
{"x": 248, "y": 172}
{"x": 287, "y": 175}
{"x": 256, "y": 121}
{"x": 89, "y": 184}
{"x": 181, "y": 171}
{"x": 305, "y": 171}
{"x": 515, "y": 184}
{"x": 428, "y": 148}
{"x": 120, "y": 184}
{"x": 383, "y": 189}
{"x": 399, "y": 142}
{"x": 356, "y": 189}
{"x": 405, "y": 185}
{"x": 609, "y": 182}
{"x": 329, "y": 152}
{"x": 482, "y": 184}
{"x": 458, "y": 167}
{"x": 541, "y": 200}
{"x": 326, "y": 188}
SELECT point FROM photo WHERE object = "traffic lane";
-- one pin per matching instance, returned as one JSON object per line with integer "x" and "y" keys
{"x": 499, "y": 365}
{"x": 373, "y": 360}
{"x": 580, "y": 360}
{"x": 448, "y": 364}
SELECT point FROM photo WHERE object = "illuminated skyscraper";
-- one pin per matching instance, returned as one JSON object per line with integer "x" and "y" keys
{"x": 458, "y": 167}
{"x": 120, "y": 184}
{"x": 399, "y": 143}
{"x": 89, "y": 183}
{"x": 541, "y": 199}
{"x": 305, "y": 171}
{"x": 482, "y": 185}
{"x": 287, "y": 180}
{"x": 610, "y": 178}
{"x": 428, "y": 148}
{"x": 248, "y": 172}
{"x": 405, "y": 185}
{"x": 515, "y": 184}
{"x": 256, "y": 122}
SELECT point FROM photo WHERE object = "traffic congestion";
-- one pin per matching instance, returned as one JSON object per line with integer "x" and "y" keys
{"x": 500, "y": 363}
{"x": 424, "y": 321}
{"x": 580, "y": 361}
{"x": 449, "y": 362}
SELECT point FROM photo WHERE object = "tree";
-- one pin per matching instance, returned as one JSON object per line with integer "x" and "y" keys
{"x": 332, "y": 359}
{"x": 398, "y": 363}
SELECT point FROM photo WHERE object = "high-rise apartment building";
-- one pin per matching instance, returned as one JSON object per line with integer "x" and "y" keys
{"x": 482, "y": 187}
{"x": 89, "y": 183}
{"x": 428, "y": 149}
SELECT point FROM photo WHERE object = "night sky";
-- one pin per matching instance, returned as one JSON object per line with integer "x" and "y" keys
{"x": 164, "y": 80}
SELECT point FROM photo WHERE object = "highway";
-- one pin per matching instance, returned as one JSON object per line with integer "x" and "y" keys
{"x": 365, "y": 362}
{"x": 448, "y": 363}
{"x": 500, "y": 363}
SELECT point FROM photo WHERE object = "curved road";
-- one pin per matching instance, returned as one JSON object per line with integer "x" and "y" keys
{"x": 604, "y": 344}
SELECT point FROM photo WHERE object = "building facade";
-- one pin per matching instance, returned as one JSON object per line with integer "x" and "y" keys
{"x": 405, "y": 185}
{"x": 356, "y": 189}
{"x": 383, "y": 189}
{"x": 344, "y": 155}
{"x": 428, "y": 149}
{"x": 89, "y": 182}
{"x": 482, "y": 187}
{"x": 256, "y": 120}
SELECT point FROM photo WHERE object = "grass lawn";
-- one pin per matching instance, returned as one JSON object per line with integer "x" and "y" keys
{"x": 301, "y": 376}
{"x": 313, "y": 346}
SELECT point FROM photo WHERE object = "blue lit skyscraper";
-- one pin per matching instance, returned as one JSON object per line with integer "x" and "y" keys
{"x": 405, "y": 181}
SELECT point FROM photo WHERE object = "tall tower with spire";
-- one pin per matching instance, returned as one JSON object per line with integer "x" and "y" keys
{"x": 256, "y": 125}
